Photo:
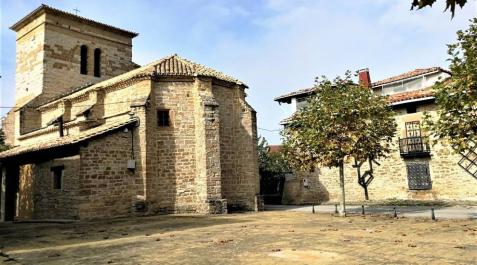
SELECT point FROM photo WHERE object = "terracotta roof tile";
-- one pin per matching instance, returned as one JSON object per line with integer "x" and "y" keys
{"x": 46, "y": 8}
{"x": 274, "y": 148}
{"x": 413, "y": 73}
{"x": 417, "y": 94}
{"x": 66, "y": 140}
{"x": 172, "y": 65}
{"x": 176, "y": 65}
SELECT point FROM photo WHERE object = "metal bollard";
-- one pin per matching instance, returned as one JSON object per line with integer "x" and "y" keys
{"x": 433, "y": 216}
{"x": 395, "y": 213}
{"x": 313, "y": 209}
{"x": 336, "y": 208}
{"x": 362, "y": 209}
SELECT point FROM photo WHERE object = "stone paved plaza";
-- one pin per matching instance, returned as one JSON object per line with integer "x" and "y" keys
{"x": 272, "y": 237}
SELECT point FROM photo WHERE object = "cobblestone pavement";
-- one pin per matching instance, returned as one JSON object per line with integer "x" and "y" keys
{"x": 273, "y": 237}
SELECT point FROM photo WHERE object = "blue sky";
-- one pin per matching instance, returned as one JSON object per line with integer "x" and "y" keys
{"x": 275, "y": 46}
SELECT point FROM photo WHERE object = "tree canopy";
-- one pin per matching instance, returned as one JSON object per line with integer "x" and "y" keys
{"x": 3, "y": 146}
{"x": 342, "y": 120}
{"x": 450, "y": 4}
{"x": 457, "y": 97}
{"x": 271, "y": 164}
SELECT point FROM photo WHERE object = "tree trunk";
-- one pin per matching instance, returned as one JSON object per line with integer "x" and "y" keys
{"x": 342, "y": 186}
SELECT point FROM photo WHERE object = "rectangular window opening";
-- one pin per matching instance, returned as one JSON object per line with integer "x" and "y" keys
{"x": 163, "y": 119}
{"x": 84, "y": 60}
{"x": 57, "y": 177}
{"x": 413, "y": 129}
{"x": 97, "y": 62}
{"x": 418, "y": 176}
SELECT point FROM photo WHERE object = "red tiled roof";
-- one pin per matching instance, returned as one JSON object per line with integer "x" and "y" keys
{"x": 274, "y": 148}
{"x": 423, "y": 93}
{"x": 173, "y": 65}
{"x": 66, "y": 140}
{"x": 413, "y": 73}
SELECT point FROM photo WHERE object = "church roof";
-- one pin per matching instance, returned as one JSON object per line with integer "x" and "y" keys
{"x": 67, "y": 140}
{"x": 45, "y": 8}
{"x": 172, "y": 65}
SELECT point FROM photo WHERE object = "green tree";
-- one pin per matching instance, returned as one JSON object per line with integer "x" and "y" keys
{"x": 271, "y": 164}
{"x": 342, "y": 121}
{"x": 450, "y": 4}
{"x": 3, "y": 146}
{"x": 456, "y": 97}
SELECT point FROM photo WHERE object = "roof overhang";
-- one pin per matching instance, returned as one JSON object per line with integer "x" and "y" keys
{"x": 410, "y": 101}
{"x": 66, "y": 141}
{"x": 380, "y": 84}
{"x": 42, "y": 9}
{"x": 297, "y": 94}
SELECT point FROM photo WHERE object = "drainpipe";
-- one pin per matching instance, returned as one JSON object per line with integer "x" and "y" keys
{"x": 60, "y": 126}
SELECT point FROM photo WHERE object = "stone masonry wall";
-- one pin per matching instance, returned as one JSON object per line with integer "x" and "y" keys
{"x": 108, "y": 105}
{"x": 303, "y": 188}
{"x": 63, "y": 39}
{"x": 240, "y": 181}
{"x": 48, "y": 62}
{"x": 48, "y": 56}
{"x": 8, "y": 126}
{"x": 29, "y": 61}
{"x": 449, "y": 180}
{"x": 208, "y": 154}
{"x": 37, "y": 197}
{"x": 106, "y": 187}
{"x": 174, "y": 188}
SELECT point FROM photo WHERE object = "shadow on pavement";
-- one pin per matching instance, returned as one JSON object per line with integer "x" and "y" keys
{"x": 28, "y": 235}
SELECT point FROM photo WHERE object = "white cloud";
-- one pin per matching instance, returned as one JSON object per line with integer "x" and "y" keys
{"x": 277, "y": 46}
{"x": 300, "y": 42}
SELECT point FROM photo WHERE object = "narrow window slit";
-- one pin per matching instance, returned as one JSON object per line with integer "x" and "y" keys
{"x": 97, "y": 62}
{"x": 84, "y": 60}
{"x": 57, "y": 177}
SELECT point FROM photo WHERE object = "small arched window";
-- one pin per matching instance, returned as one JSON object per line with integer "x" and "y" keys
{"x": 84, "y": 60}
{"x": 97, "y": 62}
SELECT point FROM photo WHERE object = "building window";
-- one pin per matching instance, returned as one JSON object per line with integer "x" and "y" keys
{"x": 418, "y": 176}
{"x": 163, "y": 118}
{"x": 97, "y": 62}
{"x": 57, "y": 177}
{"x": 84, "y": 60}
{"x": 413, "y": 129}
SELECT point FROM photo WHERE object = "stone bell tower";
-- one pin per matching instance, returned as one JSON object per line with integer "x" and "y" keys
{"x": 57, "y": 51}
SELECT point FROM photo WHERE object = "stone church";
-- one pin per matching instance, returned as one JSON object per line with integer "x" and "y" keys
{"x": 95, "y": 135}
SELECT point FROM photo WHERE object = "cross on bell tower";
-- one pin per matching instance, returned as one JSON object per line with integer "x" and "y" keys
{"x": 76, "y": 10}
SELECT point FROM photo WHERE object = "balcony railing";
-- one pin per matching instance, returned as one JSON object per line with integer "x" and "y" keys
{"x": 414, "y": 146}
